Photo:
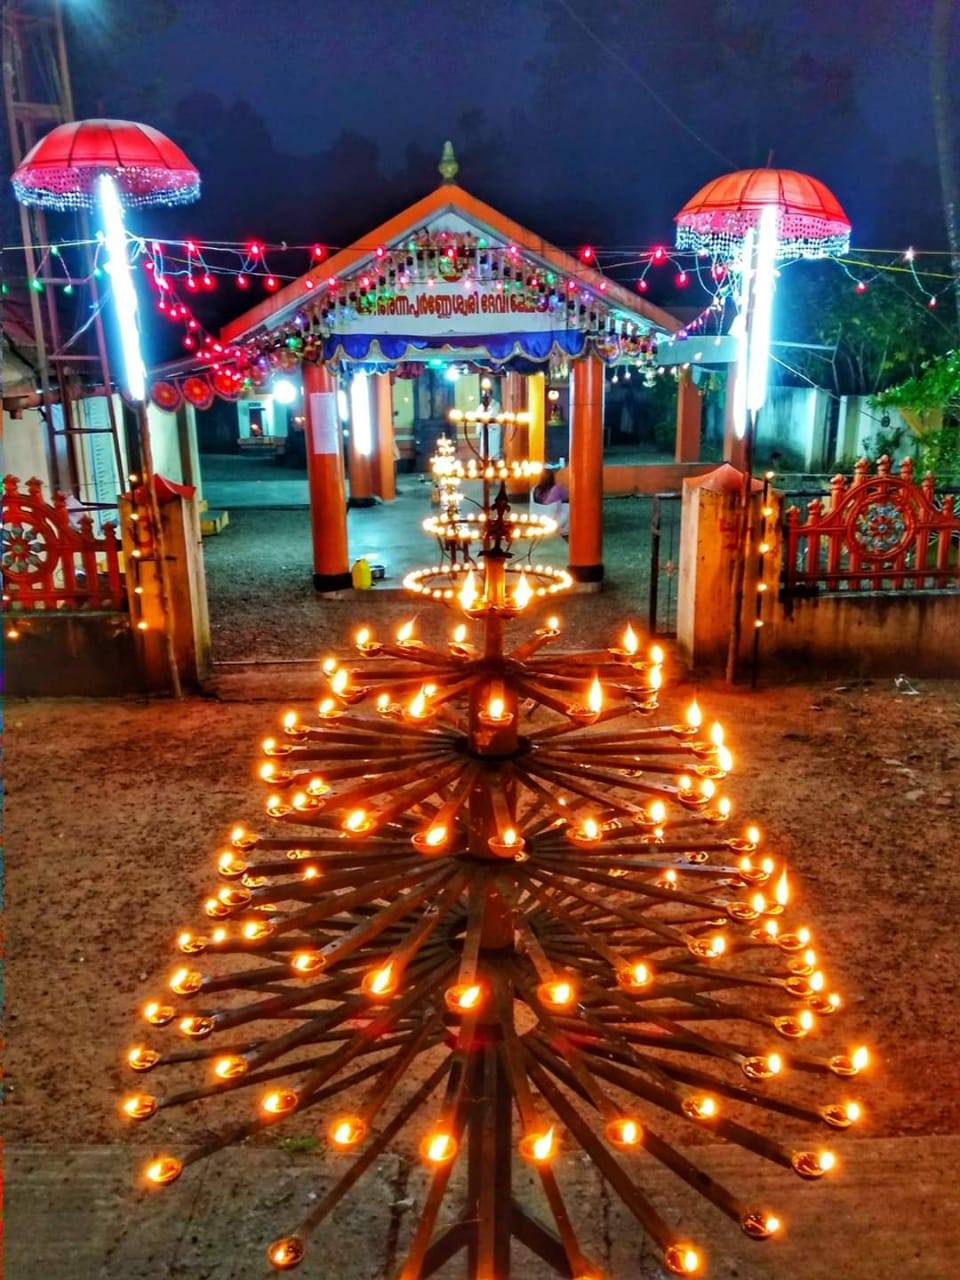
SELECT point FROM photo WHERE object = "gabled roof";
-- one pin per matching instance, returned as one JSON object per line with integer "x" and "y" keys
{"x": 447, "y": 198}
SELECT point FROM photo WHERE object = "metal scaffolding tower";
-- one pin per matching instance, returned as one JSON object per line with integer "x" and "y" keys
{"x": 38, "y": 97}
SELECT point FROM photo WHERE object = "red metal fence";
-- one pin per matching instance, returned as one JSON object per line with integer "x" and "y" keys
{"x": 51, "y": 563}
{"x": 881, "y": 532}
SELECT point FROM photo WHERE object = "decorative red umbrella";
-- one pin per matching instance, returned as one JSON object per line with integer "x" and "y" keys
{"x": 108, "y": 164}
{"x": 751, "y": 219}
{"x": 811, "y": 222}
{"x": 60, "y": 171}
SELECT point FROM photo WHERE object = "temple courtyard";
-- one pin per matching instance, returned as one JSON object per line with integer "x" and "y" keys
{"x": 136, "y": 798}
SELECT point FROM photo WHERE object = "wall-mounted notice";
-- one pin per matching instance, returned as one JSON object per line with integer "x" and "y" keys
{"x": 324, "y": 423}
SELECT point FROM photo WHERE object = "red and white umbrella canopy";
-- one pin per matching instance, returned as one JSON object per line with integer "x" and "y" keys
{"x": 811, "y": 222}
{"x": 60, "y": 171}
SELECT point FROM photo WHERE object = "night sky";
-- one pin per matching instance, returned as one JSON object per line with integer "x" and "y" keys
{"x": 312, "y": 121}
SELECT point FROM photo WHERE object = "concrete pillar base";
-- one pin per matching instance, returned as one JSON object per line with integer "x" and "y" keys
{"x": 332, "y": 581}
{"x": 353, "y": 503}
{"x": 586, "y": 572}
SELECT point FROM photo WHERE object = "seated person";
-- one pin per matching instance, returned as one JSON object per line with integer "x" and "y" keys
{"x": 549, "y": 498}
{"x": 548, "y": 490}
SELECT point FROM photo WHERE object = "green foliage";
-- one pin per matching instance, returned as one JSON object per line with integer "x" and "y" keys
{"x": 877, "y": 338}
{"x": 305, "y": 1144}
{"x": 936, "y": 387}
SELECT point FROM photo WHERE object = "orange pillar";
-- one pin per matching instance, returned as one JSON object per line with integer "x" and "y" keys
{"x": 385, "y": 467}
{"x": 586, "y": 469}
{"x": 689, "y": 412}
{"x": 515, "y": 434}
{"x": 328, "y": 496}
{"x": 361, "y": 442}
{"x": 537, "y": 409}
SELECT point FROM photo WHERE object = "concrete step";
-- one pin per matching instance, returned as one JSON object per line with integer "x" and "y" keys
{"x": 75, "y": 1213}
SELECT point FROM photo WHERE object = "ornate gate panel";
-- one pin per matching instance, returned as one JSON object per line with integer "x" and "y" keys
{"x": 881, "y": 532}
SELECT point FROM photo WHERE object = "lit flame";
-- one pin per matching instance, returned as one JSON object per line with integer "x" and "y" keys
{"x": 522, "y": 592}
{"x": 267, "y": 770}
{"x": 694, "y": 715}
{"x": 718, "y": 945}
{"x": 853, "y": 1111}
{"x": 290, "y": 719}
{"x": 658, "y": 811}
{"x": 348, "y": 1131}
{"x": 558, "y": 993}
{"x": 468, "y": 592}
{"x": 542, "y": 1146}
{"x": 860, "y": 1058}
{"x": 725, "y": 758}
{"x": 553, "y": 623}
{"x": 307, "y": 961}
{"x": 230, "y": 1067}
{"x": 509, "y": 837}
{"x": 164, "y": 1169}
{"x": 317, "y": 787}
{"x": 363, "y": 636}
{"x": 624, "y": 1132}
{"x": 383, "y": 702}
{"x": 684, "y": 1259}
{"x": 630, "y": 641}
{"x": 418, "y": 705}
{"x": 356, "y": 820}
{"x": 139, "y": 1106}
{"x": 590, "y": 829}
{"x": 595, "y": 696}
{"x": 724, "y": 805}
{"x": 459, "y": 634}
{"x": 708, "y": 788}
{"x": 329, "y": 666}
{"x": 774, "y": 1064}
{"x": 341, "y": 679}
{"x": 782, "y": 889}
{"x": 656, "y": 655}
{"x": 327, "y": 706}
{"x": 467, "y": 997}
{"x": 827, "y": 1160}
{"x": 655, "y": 678}
{"x": 382, "y": 980}
{"x": 716, "y": 733}
{"x": 439, "y": 1147}
{"x": 405, "y": 632}
{"x": 496, "y": 707}
{"x": 436, "y": 835}
{"x": 640, "y": 974}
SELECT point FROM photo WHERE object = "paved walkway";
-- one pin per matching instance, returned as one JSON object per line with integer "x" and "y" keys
{"x": 890, "y": 1214}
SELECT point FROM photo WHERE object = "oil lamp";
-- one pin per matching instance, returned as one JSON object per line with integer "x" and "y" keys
{"x": 539, "y": 1147}
{"x": 347, "y": 1132}
{"x": 139, "y": 1106}
{"x": 163, "y": 1170}
{"x": 547, "y": 909}
{"x": 438, "y": 1147}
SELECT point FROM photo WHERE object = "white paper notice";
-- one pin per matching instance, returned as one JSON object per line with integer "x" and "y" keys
{"x": 324, "y": 422}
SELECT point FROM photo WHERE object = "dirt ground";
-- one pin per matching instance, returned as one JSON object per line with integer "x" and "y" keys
{"x": 262, "y": 602}
{"x": 115, "y": 810}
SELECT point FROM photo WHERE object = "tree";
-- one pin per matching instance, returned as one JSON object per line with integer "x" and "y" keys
{"x": 930, "y": 404}
{"x": 876, "y": 337}
{"x": 944, "y": 121}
